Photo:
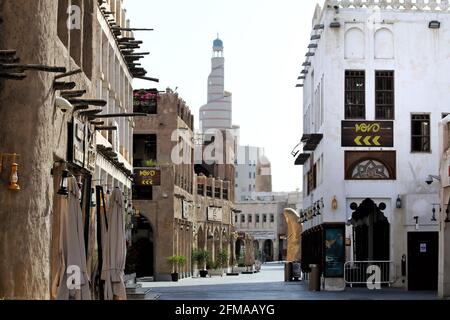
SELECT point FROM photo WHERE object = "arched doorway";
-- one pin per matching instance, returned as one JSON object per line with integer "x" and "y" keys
{"x": 371, "y": 232}
{"x": 240, "y": 250}
{"x": 216, "y": 245}
{"x": 268, "y": 250}
{"x": 200, "y": 239}
{"x": 140, "y": 256}
{"x": 256, "y": 250}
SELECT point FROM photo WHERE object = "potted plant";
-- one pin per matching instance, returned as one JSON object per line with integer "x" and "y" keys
{"x": 222, "y": 259}
{"x": 202, "y": 256}
{"x": 176, "y": 262}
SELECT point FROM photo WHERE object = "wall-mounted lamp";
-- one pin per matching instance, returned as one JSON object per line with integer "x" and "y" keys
{"x": 434, "y": 24}
{"x": 433, "y": 217}
{"x": 14, "y": 177}
{"x": 398, "y": 203}
{"x": 334, "y": 203}
{"x": 63, "y": 191}
{"x": 63, "y": 104}
{"x": 416, "y": 218}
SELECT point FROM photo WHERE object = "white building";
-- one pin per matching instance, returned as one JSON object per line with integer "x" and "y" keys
{"x": 375, "y": 90}
{"x": 262, "y": 218}
{"x": 246, "y": 171}
{"x": 217, "y": 113}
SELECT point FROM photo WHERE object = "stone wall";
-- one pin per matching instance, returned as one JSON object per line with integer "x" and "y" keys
{"x": 27, "y": 114}
{"x": 33, "y": 128}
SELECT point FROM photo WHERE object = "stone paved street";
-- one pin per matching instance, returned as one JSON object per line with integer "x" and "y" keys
{"x": 268, "y": 285}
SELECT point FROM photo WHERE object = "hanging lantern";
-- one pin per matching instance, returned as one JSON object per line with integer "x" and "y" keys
{"x": 14, "y": 178}
{"x": 63, "y": 191}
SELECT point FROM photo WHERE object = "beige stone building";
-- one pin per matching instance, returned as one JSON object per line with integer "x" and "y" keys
{"x": 262, "y": 218}
{"x": 49, "y": 123}
{"x": 163, "y": 190}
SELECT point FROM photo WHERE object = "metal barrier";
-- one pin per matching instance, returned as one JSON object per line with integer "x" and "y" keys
{"x": 358, "y": 272}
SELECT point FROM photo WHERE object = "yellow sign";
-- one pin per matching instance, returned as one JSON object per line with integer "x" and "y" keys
{"x": 367, "y": 141}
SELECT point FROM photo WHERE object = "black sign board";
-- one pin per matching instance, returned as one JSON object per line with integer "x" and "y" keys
{"x": 365, "y": 134}
{"x": 147, "y": 177}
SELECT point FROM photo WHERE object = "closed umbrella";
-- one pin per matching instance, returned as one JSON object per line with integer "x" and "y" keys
{"x": 114, "y": 248}
{"x": 73, "y": 281}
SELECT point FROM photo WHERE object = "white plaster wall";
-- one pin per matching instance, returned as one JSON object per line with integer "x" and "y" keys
{"x": 421, "y": 86}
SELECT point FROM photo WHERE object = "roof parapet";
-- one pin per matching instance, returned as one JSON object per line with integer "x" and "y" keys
{"x": 419, "y": 5}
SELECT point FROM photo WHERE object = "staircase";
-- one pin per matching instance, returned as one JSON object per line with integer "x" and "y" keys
{"x": 135, "y": 290}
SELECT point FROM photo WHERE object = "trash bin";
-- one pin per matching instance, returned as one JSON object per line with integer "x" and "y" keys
{"x": 297, "y": 271}
{"x": 314, "y": 278}
{"x": 288, "y": 271}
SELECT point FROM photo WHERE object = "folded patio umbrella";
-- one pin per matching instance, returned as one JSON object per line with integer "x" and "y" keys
{"x": 114, "y": 248}
{"x": 72, "y": 255}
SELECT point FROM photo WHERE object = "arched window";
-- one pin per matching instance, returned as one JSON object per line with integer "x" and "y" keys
{"x": 354, "y": 44}
{"x": 384, "y": 44}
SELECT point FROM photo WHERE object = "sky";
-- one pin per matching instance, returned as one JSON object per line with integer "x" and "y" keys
{"x": 265, "y": 44}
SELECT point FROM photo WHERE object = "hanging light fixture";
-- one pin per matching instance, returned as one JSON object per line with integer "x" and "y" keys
{"x": 14, "y": 177}
{"x": 63, "y": 191}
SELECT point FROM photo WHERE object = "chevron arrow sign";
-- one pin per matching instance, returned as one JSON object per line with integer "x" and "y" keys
{"x": 365, "y": 134}
{"x": 367, "y": 141}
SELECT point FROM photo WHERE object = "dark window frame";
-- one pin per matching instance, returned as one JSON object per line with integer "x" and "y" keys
{"x": 250, "y": 218}
{"x": 420, "y": 118}
{"x": 264, "y": 218}
{"x": 385, "y": 95}
{"x": 352, "y": 92}
{"x": 257, "y": 218}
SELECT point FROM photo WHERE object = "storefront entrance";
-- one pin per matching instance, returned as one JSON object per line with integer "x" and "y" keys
{"x": 371, "y": 233}
{"x": 423, "y": 259}
{"x": 140, "y": 256}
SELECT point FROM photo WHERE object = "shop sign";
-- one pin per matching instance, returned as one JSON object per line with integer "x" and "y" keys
{"x": 185, "y": 209}
{"x": 147, "y": 176}
{"x": 214, "y": 214}
{"x": 367, "y": 134}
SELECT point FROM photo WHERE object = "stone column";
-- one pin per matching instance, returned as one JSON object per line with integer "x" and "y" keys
{"x": 27, "y": 114}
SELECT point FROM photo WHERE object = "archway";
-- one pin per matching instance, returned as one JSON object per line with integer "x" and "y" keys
{"x": 140, "y": 255}
{"x": 239, "y": 250}
{"x": 371, "y": 232}
{"x": 216, "y": 246}
{"x": 268, "y": 250}
{"x": 200, "y": 239}
{"x": 256, "y": 250}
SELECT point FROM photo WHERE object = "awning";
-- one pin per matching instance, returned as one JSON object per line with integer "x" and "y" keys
{"x": 311, "y": 141}
{"x": 302, "y": 158}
